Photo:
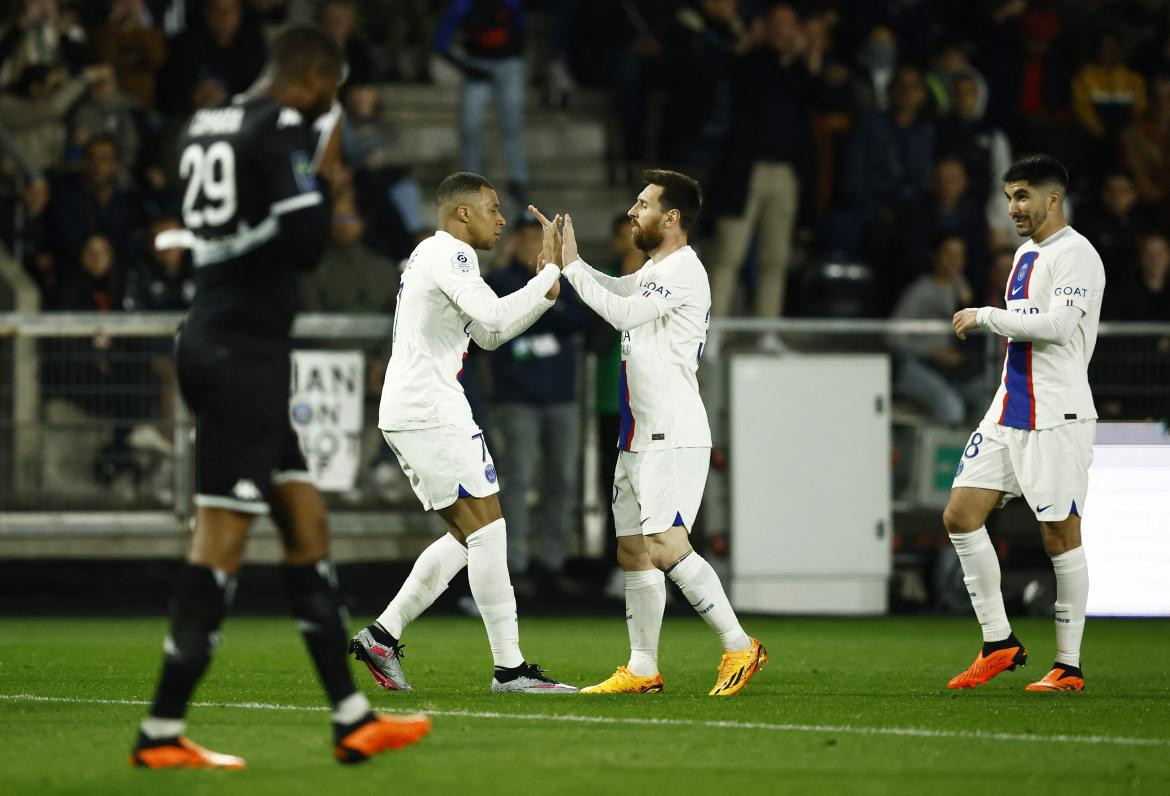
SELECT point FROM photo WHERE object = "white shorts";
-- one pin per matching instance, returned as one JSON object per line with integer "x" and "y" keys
{"x": 1049, "y": 467}
{"x": 445, "y": 463}
{"x": 654, "y": 491}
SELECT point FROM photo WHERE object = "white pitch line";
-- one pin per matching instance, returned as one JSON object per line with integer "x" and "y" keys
{"x": 825, "y": 729}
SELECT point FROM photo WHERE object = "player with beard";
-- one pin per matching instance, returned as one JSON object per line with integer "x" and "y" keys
{"x": 255, "y": 215}
{"x": 443, "y": 304}
{"x": 662, "y": 311}
{"x": 1036, "y": 440}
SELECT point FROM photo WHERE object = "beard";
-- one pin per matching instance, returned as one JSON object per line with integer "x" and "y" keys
{"x": 647, "y": 240}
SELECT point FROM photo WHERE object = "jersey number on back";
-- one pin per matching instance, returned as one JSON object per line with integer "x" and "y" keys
{"x": 210, "y": 173}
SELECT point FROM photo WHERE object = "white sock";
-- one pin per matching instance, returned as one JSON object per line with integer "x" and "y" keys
{"x": 981, "y": 574}
{"x": 1072, "y": 594}
{"x": 432, "y": 572}
{"x": 487, "y": 572}
{"x": 351, "y": 709}
{"x": 645, "y": 603}
{"x": 701, "y": 586}
{"x": 155, "y": 728}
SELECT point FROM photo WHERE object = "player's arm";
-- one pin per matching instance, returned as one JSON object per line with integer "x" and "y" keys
{"x": 1055, "y": 326}
{"x": 297, "y": 196}
{"x": 461, "y": 282}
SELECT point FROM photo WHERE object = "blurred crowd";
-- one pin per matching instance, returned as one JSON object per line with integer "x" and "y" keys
{"x": 851, "y": 152}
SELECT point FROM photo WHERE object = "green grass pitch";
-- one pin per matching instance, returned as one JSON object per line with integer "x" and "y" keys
{"x": 844, "y": 706}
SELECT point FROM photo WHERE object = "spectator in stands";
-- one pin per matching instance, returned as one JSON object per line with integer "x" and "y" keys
{"x": 385, "y": 190}
{"x": 165, "y": 281}
{"x": 107, "y": 111}
{"x": 946, "y": 64}
{"x": 950, "y": 208}
{"x": 211, "y": 62}
{"x": 39, "y": 33}
{"x": 1028, "y": 79}
{"x": 700, "y": 46}
{"x": 340, "y": 19}
{"x": 768, "y": 157}
{"x": 1146, "y": 149}
{"x": 933, "y": 371}
{"x": 877, "y": 61}
{"x": 136, "y": 50}
{"x": 889, "y": 162}
{"x": 35, "y": 110}
{"x": 98, "y": 284}
{"x": 1107, "y": 94}
{"x": 352, "y": 278}
{"x": 485, "y": 40}
{"x": 1002, "y": 260}
{"x": 983, "y": 148}
{"x": 94, "y": 202}
{"x": 1114, "y": 225}
{"x": 539, "y": 418}
{"x": 1146, "y": 296}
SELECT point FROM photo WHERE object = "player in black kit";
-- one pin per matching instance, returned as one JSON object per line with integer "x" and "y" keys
{"x": 256, "y": 214}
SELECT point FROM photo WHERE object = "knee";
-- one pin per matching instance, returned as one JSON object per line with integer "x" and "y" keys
{"x": 956, "y": 519}
{"x": 632, "y": 561}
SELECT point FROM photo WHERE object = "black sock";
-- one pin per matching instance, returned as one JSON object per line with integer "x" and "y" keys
{"x": 382, "y": 635}
{"x": 993, "y": 646}
{"x": 312, "y": 591}
{"x": 198, "y": 607}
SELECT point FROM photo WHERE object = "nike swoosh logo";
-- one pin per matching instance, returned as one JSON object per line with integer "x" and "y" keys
{"x": 1040, "y": 509}
{"x": 696, "y": 605}
{"x": 644, "y": 521}
{"x": 1016, "y": 290}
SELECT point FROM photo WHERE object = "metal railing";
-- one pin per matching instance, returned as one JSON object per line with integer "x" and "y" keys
{"x": 93, "y": 434}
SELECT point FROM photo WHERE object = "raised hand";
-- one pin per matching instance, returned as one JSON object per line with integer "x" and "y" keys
{"x": 569, "y": 246}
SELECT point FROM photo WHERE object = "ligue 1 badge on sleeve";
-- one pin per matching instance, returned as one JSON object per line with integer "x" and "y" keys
{"x": 489, "y": 473}
{"x": 462, "y": 263}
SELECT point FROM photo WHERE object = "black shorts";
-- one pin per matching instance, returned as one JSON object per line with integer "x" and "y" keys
{"x": 237, "y": 388}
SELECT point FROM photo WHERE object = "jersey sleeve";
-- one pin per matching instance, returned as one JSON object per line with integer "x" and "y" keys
{"x": 630, "y": 311}
{"x": 1074, "y": 277}
{"x": 289, "y": 178}
{"x": 1055, "y": 326}
{"x": 456, "y": 273}
{"x": 618, "y": 285}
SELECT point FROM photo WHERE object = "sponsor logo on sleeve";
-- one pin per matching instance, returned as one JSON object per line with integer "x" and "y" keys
{"x": 1071, "y": 291}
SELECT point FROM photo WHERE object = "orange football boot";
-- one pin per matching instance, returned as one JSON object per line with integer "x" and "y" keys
{"x": 379, "y": 734}
{"x": 182, "y": 753}
{"x": 1062, "y": 678}
{"x": 1008, "y": 654}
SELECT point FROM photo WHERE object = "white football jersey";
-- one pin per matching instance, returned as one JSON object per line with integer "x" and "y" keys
{"x": 1045, "y": 384}
{"x": 662, "y": 311}
{"x": 442, "y": 303}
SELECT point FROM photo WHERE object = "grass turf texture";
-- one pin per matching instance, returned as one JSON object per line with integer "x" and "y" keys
{"x": 832, "y": 673}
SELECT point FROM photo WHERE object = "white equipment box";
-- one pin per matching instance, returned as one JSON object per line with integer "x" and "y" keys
{"x": 810, "y": 473}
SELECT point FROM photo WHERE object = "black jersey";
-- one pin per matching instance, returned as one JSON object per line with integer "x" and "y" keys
{"x": 255, "y": 214}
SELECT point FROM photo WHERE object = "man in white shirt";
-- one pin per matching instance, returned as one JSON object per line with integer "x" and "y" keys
{"x": 443, "y": 302}
{"x": 662, "y": 312}
{"x": 1036, "y": 440}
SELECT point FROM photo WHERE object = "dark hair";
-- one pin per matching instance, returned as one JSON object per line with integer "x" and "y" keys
{"x": 937, "y": 244}
{"x": 461, "y": 183}
{"x": 103, "y": 138}
{"x": 299, "y": 49}
{"x": 679, "y": 192}
{"x": 1037, "y": 170}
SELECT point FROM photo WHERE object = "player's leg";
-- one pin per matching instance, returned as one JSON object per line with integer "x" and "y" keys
{"x": 203, "y": 591}
{"x": 985, "y": 477}
{"x": 1060, "y": 458}
{"x": 311, "y": 584}
{"x": 670, "y": 490}
{"x": 733, "y": 236}
{"x": 645, "y": 589}
{"x": 561, "y": 445}
{"x": 227, "y": 500}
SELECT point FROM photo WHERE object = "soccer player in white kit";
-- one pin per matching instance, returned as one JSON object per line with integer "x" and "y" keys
{"x": 443, "y": 302}
{"x": 662, "y": 312}
{"x": 1036, "y": 440}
